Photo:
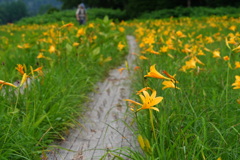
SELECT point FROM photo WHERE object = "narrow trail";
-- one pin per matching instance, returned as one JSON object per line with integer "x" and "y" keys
{"x": 105, "y": 121}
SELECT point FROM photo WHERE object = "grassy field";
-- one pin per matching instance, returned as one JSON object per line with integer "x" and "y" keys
{"x": 187, "y": 105}
{"x": 46, "y": 73}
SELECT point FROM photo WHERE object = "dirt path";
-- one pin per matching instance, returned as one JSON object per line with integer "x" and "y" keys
{"x": 105, "y": 123}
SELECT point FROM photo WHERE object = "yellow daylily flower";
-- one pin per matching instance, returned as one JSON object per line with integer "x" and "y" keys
{"x": 120, "y": 46}
{"x": 24, "y": 79}
{"x": 52, "y": 49}
{"x": 2, "y": 83}
{"x": 143, "y": 57}
{"x": 170, "y": 76}
{"x": 155, "y": 74}
{"x": 216, "y": 54}
{"x": 121, "y": 29}
{"x": 24, "y": 46}
{"x": 40, "y": 55}
{"x": 169, "y": 84}
{"x": 164, "y": 49}
{"x": 90, "y": 25}
{"x": 237, "y": 64}
{"x": 226, "y": 58}
{"x": 80, "y": 32}
{"x": 238, "y": 47}
{"x": 180, "y": 34}
{"x": 120, "y": 70}
{"x": 148, "y": 101}
{"x": 144, "y": 144}
{"x": 144, "y": 89}
{"x": 67, "y": 25}
{"x": 237, "y": 82}
{"x": 75, "y": 44}
{"x": 233, "y": 28}
{"x": 20, "y": 69}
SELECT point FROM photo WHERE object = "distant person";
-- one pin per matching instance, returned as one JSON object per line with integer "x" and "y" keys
{"x": 81, "y": 14}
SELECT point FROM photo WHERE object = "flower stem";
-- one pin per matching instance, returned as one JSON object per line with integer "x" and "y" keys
{"x": 152, "y": 125}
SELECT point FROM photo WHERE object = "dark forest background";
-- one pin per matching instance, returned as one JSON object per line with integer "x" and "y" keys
{"x": 13, "y": 10}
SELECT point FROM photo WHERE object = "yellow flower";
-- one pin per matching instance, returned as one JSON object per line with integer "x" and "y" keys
{"x": 90, "y": 25}
{"x": 237, "y": 65}
{"x": 120, "y": 46}
{"x": 200, "y": 53}
{"x": 170, "y": 76}
{"x": 164, "y": 49}
{"x": 148, "y": 101}
{"x": 216, "y": 54}
{"x": 120, "y": 70}
{"x": 180, "y": 34}
{"x": 24, "y": 46}
{"x": 169, "y": 84}
{"x": 238, "y": 47}
{"x": 39, "y": 70}
{"x": 2, "y": 83}
{"x": 199, "y": 36}
{"x": 144, "y": 89}
{"x": 226, "y": 58}
{"x": 191, "y": 63}
{"x": 141, "y": 142}
{"x": 155, "y": 74}
{"x": 20, "y": 69}
{"x": 149, "y": 40}
{"x": 40, "y": 55}
{"x": 197, "y": 60}
{"x": 80, "y": 32}
{"x": 67, "y": 25}
{"x": 24, "y": 79}
{"x": 75, "y": 44}
{"x": 143, "y": 57}
{"x": 144, "y": 144}
{"x": 209, "y": 39}
{"x": 236, "y": 83}
{"x": 52, "y": 49}
{"x": 121, "y": 29}
{"x": 233, "y": 28}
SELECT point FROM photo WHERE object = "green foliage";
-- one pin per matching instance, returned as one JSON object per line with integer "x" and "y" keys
{"x": 68, "y": 4}
{"x": 200, "y": 120}
{"x": 68, "y": 16}
{"x": 190, "y": 12}
{"x": 12, "y": 11}
{"x": 34, "y": 115}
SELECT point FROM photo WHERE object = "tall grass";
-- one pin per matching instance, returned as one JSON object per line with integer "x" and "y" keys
{"x": 201, "y": 119}
{"x": 73, "y": 59}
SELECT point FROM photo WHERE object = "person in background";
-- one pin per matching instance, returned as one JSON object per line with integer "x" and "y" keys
{"x": 81, "y": 14}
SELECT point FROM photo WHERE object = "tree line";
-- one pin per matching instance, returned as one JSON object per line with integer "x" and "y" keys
{"x": 12, "y": 11}
{"x": 136, "y": 7}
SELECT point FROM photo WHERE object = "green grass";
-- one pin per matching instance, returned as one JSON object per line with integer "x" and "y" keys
{"x": 200, "y": 121}
{"x": 34, "y": 115}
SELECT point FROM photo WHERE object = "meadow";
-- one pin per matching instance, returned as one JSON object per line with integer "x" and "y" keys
{"x": 46, "y": 74}
{"x": 186, "y": 104}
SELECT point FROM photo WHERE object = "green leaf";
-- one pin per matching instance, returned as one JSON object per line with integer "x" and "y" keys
{"x": 69, "y": 48}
